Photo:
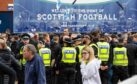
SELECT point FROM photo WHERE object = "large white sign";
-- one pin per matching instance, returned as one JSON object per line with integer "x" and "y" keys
{"x": 77, "y": 15}
{"x": 81, "y": 1}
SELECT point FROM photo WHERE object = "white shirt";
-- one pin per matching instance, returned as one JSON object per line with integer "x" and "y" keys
{"x": 90, "y": 72}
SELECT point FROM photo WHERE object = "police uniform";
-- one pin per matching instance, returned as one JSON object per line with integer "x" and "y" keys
{"x": 103, "y": 55}
{"x": 21, "y": 59}
{"x": 95, "y": 48}
{"x": 120, "y": 64}
{"x": 79, "y": 55}
{"x": 67, "y": 64}
{"x": 45, "y": 53}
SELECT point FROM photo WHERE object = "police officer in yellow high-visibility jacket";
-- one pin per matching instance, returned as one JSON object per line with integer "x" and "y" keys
{"x": 22, "y": 60}
{"x": 67, "y": 63}
{"x": 103, "y": 55}
{"x": 95, "y": 48}
{"x": 120, "y": 63}
{"x": 93, "y": 44}
{"x": 46, "y": 55}
{"x": 25, "y": 39}
{"x": 79, "y": 46}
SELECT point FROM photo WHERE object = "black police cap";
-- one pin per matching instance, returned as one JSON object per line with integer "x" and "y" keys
{"x": 25, "y": 36}
{"x": 68, "y": 40}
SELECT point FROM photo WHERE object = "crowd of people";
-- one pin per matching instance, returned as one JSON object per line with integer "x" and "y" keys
{"x": 67, "y": 58}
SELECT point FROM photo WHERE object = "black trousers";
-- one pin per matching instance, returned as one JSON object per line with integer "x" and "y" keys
{"x": 131, "y": 70}
{"x": 49, "y": 74}
{"x": 119, "y": 73}
{"x": 67, "y": 76}
{"x": 5, "y": 69}
{"x": 104, "y": 75}
{"x": 21, "y": 75}
{"x": 78, "y": 74}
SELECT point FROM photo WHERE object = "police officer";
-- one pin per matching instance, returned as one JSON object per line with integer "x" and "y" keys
{"x": 93, "y": 44}
{"x": 103, "y": 55}
{"x": 25, "y": 39}
{"x": 120, "y": 63}
{"x": 67, "y": 63}
{"x": 45, "y": 53}
{"x": 79, "y": 46}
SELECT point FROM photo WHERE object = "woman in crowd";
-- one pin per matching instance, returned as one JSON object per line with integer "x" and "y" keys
{"x": 90, "y": 67}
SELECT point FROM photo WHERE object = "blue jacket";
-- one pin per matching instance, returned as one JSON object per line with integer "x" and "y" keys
{"x": 35, "y": 71}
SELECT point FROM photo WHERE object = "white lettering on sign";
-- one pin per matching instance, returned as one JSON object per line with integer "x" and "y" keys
{"x": 73, "y": 17}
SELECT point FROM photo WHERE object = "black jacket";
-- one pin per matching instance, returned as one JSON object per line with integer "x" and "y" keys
{"x": 8, "y": 65}
{"x": 55, "y": 49}
{"x": 112, "y": 46}
{"x": 131, "y": 53}
{"x": 8, "y": 58}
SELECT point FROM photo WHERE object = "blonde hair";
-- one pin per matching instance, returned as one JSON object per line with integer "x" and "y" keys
{"x": 90, "y": 51}
{"x": 3, "y": 43}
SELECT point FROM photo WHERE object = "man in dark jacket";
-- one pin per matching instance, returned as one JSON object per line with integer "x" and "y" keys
{"x": 55, "y": 49}
{"x": 134, "y": 38}
{"x": 132, "y": 55}
{"x": 34, "y": 68}
{"x": 25, "y": 39}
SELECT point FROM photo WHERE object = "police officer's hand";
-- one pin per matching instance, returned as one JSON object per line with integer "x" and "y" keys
{"x": 57, "y": 72}
{"x": 106, "y": 67}
{"x": 102, "y": 68}
{"x": 16, "y": 82}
